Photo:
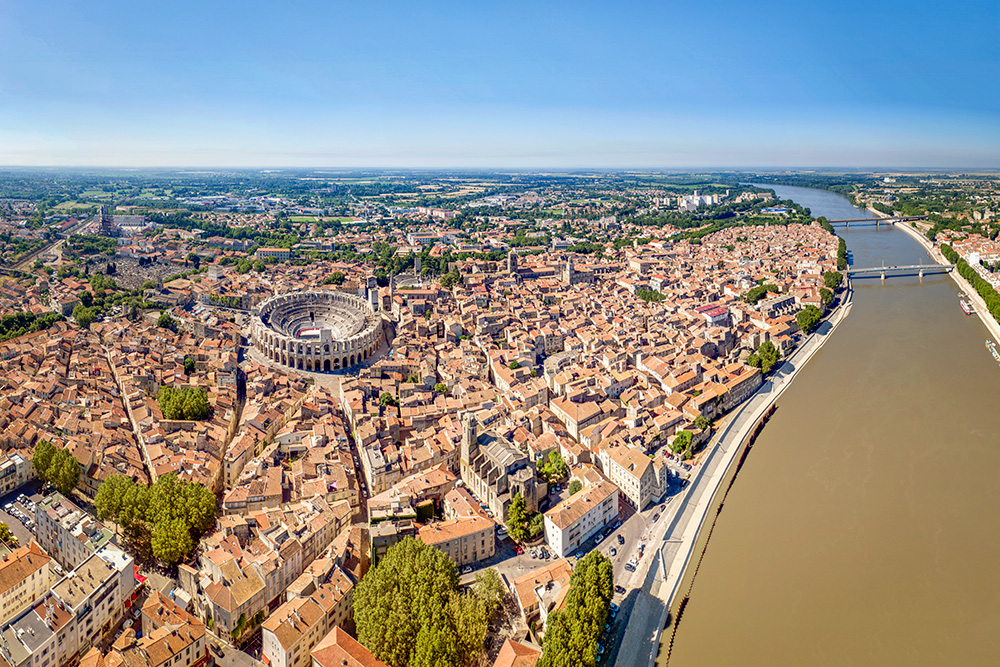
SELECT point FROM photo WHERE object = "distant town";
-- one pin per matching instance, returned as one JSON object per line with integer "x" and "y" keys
{"x": 248, "y": 417}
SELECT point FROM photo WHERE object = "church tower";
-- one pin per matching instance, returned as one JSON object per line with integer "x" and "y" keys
{"x": 470, "y": 437}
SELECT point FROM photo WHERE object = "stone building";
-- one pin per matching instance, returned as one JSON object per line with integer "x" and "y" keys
{"x": 495, "y": 470}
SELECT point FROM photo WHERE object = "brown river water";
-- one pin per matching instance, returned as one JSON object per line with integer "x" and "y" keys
{"x": 864, "y": 528}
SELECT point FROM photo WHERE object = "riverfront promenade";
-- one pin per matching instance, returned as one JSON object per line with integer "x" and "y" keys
{"x": 973, "y": 296}
{"x": 672, "y": 541}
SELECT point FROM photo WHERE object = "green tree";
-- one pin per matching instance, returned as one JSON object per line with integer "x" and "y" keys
{"x": 555, "y": 468}
{"x": 84, "y": 316}
{"x": 166, "y": 322}
{"x": 335, "y": 278}
{"x": 189, "y": 403}
{"x": 42, "y": 458}
{"x": 574, "y": 486}
{"x": 765, "y": 358}
{"x": 401, "y": 607}
{"x": 441, "y": 388}
{"x": 825, "y": 296}
{"x": 171, "y": 541}
{"x": 808, "y": 318}
{"x": 86, "y": 298}
{"x": 701, "y": 423}
{"x": 833, "y": 279}
{"x": 193, "y": 258}
{"x": 387, "y": 399}
{"x": 64, "y": 472}
{"x": 681, "y": 443}
{"x": 517, "y": 518}
{"x": 189, "y": 365}
{"x": 6, "y": 536}
{"x": 111, "y": 496}
{"x": 514, "y": 365}
{"x": 571, "y": 634}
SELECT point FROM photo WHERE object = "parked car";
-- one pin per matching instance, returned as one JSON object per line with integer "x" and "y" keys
{"x": 656, "y": 516}
{"x": 620, "y": 590}
{"x": 518, "y": 550}
{"x": 467, "y": 569}
{"x": 613, "y": 551}
{"x": 621, "y": 540}
{"x": 629, "y": 566}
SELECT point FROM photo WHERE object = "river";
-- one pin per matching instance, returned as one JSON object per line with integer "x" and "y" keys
{"x": 863, "y": 529}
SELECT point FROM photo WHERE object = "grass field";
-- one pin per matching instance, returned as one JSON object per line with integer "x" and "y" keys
{"x": 302, "y": 218}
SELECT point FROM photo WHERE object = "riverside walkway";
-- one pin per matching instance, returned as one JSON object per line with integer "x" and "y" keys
{"x": 673, "y": 539}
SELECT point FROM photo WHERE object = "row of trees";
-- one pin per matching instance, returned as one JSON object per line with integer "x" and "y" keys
{"x": 189, "y": 403}
{"x": 985, "y": 290}
{"x": 57, "y": 466}
{"x": 18, "y": 324}
{"x": 409, "y": 612}
{"x": 163, "y": 521}
{"x": 571, "y": 633}
{"x": 841, "y": 254}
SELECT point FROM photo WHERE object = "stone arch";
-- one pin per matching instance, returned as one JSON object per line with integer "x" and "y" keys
{"x": 326, "y": 365}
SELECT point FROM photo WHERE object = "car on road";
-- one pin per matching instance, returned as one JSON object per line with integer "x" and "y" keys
{"x": 502, "y": 534}
{"x": 534, "y": 553}
{"x": 621, "y": 540}
{"x": 620, "y": 590}
{"x": 629, "y": 566}
{"x": 518, "y": 550}
{"x": 613, "y": 551}
{"x": 617, "y": 524}
{"x": 467, "y": 569}
{"x": 656, "y": 517}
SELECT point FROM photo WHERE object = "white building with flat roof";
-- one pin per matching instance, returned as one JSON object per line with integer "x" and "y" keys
{"x": 588, "y": 511}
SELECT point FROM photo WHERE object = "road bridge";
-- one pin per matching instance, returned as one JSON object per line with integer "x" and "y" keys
{"x": 875, "y": 222}
{"x": 895, "y": 271}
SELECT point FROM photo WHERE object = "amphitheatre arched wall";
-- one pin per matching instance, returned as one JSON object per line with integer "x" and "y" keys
{"x": 351, "y": 330}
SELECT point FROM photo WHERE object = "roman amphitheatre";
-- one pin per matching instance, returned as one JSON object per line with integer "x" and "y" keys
{"x": 320, "y": 331}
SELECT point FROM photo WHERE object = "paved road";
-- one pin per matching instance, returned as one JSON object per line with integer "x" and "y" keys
{"x": 676, "y": 532}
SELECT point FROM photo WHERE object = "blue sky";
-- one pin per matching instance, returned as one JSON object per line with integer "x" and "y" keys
{"x": 500, "y": 84}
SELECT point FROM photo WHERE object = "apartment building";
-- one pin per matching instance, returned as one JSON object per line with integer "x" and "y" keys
{"x": 67, "y": 533}
{"x": 641, "y": 479}
{"x": 298, "y": 625}
{"x": 339, "y": 649}
{"x": 570, "y": 523}
{"x": 24, "y": 577}
{"x": 15, "y": 471}
{"x": 466, "y": 539}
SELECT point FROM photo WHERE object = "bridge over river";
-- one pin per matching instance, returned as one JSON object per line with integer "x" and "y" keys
{"x": 895, "y": 271}
{"x": 876, "y": 222}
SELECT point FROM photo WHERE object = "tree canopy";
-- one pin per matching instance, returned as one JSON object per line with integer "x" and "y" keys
{"x": 165, "y": 520}
{"x": 189, "y": 403}
{"x": 833, "y": 279}
{"x": 765, "y": 357}
{"x": 571, "y": 634}
{"x": 555, "y": 468}
{"x": 409, "y": 613}
{"x": 57, "y": 466}
{"x": 517, "y": 518}
{"x": 808, "y": 318}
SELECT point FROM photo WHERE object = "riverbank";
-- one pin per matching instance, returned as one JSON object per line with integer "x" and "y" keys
{"x": 971, "y": 294}
{"x": 676, "y": 537}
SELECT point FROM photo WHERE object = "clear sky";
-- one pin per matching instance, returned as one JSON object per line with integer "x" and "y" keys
{"x": 500, "y": 84}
